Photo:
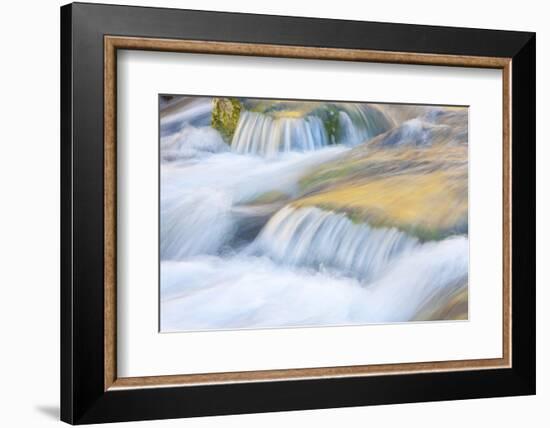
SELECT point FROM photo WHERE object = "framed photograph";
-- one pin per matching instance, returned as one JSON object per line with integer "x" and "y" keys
{"x": 266, "y": 213}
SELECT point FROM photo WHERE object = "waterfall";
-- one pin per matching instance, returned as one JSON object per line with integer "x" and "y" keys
{"x": 259, "y": 133}
{"x": 322, "y": 239}
{"x": 266, "y": 135}
{"x": 351, "y": 134}
{"x": 361, "y": 122}
{"x": 201, "y": 195}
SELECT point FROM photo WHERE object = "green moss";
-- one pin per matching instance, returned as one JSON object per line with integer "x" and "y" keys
{"x": 225, "y": 116}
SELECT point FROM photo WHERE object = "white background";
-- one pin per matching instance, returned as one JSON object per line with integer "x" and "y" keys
{"x": 29, "y": 230}
{"x": 144, "y": 352}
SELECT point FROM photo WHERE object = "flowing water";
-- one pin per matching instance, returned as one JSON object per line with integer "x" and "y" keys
{"x": 236, "y": 253}
{"x": 258, "y": 133}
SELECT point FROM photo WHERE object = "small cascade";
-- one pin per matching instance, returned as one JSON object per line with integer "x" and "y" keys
{"x": 316, "y": 238}
{"x": 202, "y": 197}
{"x": 350, "y": 134}
{"x": 361, "y": 122}
{"x": 259, "y": 133}
{"x": 341, "y": 123}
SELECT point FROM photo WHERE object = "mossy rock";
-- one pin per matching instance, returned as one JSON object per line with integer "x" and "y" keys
{"x": 225, "y": 116}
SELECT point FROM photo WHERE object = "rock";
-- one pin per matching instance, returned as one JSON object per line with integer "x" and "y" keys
{"x": 225, "y": 116}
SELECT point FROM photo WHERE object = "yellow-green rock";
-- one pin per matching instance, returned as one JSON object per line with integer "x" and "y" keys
{"x": 225, "y": 116}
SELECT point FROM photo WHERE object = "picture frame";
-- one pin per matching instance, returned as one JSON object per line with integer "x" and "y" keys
{"x": 91, "y": 36}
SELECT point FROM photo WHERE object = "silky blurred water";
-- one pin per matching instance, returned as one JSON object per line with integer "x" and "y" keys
{"x": 235, "y": 253}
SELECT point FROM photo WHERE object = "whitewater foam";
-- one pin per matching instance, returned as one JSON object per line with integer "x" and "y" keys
{"x": 244, "y": 292}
